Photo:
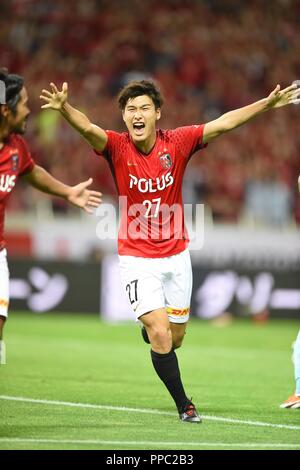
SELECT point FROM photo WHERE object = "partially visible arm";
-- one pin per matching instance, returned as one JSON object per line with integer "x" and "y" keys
{"x": 57, "y": 100}
{"x": 42, "y": 180}
{"x": 78, "y": 195}
{"x": 236, "y": 118}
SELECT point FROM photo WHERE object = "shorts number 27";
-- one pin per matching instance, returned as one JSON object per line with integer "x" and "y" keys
{"x": 132, "y": 291}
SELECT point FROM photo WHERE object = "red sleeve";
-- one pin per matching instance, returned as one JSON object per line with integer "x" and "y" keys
{"x": 27, "y": 163}
{"x": 188, "y": 139}
{"x": 112, "y": 144}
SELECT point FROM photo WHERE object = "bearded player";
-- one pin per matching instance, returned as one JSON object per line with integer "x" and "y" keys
{"x": 15, "y": 162}
{"x": 148, "y": 167}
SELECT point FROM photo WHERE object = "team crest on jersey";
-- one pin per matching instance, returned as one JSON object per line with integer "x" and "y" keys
{"x": 14, "y": 162}
{"x": 166, "y": 161}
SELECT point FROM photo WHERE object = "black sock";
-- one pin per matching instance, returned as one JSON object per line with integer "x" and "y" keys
{"x": 166, "y": 366}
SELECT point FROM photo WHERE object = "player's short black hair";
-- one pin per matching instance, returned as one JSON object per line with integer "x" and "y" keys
{"x": 13, "y": 86}
{"x": 139, "y": 88}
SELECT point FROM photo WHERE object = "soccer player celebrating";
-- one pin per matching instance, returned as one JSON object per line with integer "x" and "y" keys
{"x": 148, "y": 167}
{"x": 16, "y": 161}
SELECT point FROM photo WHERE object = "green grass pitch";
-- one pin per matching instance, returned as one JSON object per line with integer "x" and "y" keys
{"x": 237, "y": 376}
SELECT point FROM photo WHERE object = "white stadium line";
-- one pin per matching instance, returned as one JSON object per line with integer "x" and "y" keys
{"x": 144, "y": 410}
{"x": 149, "y": 443}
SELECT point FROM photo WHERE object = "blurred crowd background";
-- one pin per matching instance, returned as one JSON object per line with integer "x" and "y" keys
{"x": 208, "y": 56}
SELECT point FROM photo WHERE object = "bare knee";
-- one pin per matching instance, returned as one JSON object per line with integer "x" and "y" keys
{"x": 158, "y": 329}
{"x": 160, "y": 334}
{"x": 160, "y": 338}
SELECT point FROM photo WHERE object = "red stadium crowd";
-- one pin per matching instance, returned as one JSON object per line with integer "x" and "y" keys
{"x": 208, "y": 56}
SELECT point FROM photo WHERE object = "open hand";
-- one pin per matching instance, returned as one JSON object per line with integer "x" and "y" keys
{"x": 82, "y": 197}
{"x": 55, "y": 99}
{"x": 279, "y": 98}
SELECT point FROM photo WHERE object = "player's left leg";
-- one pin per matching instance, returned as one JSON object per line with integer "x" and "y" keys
{"x": 294, "y": 400}
{"x": 178, "y": 331}
{"x": 178, "y": 281}
{"x": 4, "y": 299}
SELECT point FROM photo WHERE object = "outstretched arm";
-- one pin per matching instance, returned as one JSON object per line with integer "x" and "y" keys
{"x": 78, "y": 195}
{"x": 57, "y": 100}
{"x": 236, "y": 118}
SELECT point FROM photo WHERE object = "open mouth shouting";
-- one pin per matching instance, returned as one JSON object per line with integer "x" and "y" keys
{"x": 138, "y": 128}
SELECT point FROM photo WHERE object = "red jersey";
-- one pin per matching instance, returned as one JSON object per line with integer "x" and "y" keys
{"x": 15, "y": 160}
{"x": 150, "y": 186}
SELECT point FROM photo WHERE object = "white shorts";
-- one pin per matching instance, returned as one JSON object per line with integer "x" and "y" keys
{"x": 153, "y": 283}
{"x": 4, "y": 283}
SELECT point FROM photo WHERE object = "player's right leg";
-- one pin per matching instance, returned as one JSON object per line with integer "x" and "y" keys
{"x": 178, "y": 332}
{"x": 165, "y": 361}
{"x": 158, "y": 329}
{"x": 297, "y": 363}
{"x": 294, "y": 400}
{"x": 4, "y": 300}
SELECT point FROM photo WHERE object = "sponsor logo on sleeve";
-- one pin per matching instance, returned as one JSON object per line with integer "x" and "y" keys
{"x": 14, "y": 162}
